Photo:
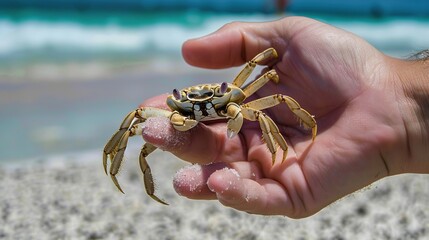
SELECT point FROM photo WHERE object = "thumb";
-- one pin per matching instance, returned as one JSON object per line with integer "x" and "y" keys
{"x": 232, "y": 45}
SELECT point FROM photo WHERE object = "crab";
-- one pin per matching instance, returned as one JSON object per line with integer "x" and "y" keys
{"x": 207, "y": 102}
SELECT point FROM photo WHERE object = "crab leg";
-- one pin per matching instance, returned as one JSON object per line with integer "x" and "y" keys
{"x": 250, "y": 66}
{"x": 110, "y": 148}
{"x": 261, "y": 81}
{"x": 274, "y": 130}
{"x": 117, "y": 160}
{"x": 131, "y": 125}
{"x": 147, "y": 173}
{"x": 136, "y": 116}
{"x": 270, "y": 101}
{"x": 270, "y": 131}
{"x": 267, "y": 136}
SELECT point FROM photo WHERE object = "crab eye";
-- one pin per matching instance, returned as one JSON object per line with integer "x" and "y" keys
{"x": 176, "y": 94}
{"x": 223, "y": 87}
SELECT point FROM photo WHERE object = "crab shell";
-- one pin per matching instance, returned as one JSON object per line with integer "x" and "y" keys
{"x": 206, "y": 101}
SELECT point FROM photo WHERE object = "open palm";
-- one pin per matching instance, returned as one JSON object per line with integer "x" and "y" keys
{"x": 333, "y": 74}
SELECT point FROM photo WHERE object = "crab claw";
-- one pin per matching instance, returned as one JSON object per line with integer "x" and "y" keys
{"x": 235, "y": 122}
{"x": 182, "y": 123}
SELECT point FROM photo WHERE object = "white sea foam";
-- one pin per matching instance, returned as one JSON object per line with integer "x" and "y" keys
{"x": 33, "y": 36}
{"x": 74, "y": 38}
{"x": 395, "y": 36}
{"x": 36, "y": 35}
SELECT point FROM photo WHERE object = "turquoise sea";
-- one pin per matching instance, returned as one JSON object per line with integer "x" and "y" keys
{"x": 67, "y": 77}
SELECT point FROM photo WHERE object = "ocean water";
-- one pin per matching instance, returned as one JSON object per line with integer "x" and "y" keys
{"x": 45, "y": 35}
{"x": 63, "y": 115}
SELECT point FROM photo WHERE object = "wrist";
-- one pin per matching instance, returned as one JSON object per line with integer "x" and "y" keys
{"x": 414, "y": 105}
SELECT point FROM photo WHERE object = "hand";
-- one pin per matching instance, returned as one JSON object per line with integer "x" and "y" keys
{"x": 353, "y": 90}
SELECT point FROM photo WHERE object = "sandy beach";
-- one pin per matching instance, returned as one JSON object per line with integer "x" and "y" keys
{"x": 70, "y": 197}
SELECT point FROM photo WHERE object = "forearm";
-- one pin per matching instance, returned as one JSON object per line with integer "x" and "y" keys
{"x": 414, "y": 79}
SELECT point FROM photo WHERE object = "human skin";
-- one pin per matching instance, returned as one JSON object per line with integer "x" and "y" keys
{"x": 371, "y": 110}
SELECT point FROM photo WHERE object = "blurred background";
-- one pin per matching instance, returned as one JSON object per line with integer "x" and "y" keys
{"x": 71, "y": 69}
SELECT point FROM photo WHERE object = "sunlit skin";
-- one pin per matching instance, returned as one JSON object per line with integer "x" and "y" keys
{"x": 370, "y": 126}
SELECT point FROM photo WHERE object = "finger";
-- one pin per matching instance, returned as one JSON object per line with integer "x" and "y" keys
{"x": 191, "y": 181}
{"x": 264, "y": 196}
{"x": 236, "y": 43}
{"x": 203, "y": 144}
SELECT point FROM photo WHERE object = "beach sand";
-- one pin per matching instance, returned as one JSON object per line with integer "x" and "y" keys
{"x": 61, "y": 198}
{"x": 68, "y": 196}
